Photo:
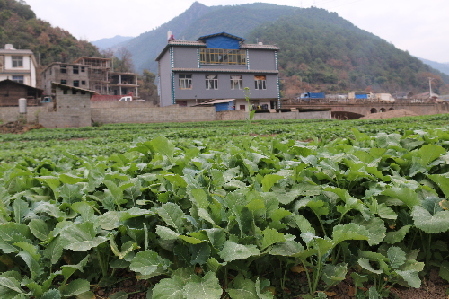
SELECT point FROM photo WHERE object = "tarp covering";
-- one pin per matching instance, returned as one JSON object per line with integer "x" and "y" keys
{"x": 222, "y": 42}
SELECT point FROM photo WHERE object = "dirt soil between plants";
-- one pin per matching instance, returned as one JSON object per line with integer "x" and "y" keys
{"x": 18, "y": 127}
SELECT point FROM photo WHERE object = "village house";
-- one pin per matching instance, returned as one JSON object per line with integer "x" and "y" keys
{"x": 91, "y": 73}
{"x": 18, "y": 65}
{"x": 11, "y": 92}
{"x": 218, "y": 67}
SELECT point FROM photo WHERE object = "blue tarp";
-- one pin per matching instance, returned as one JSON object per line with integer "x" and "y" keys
{"x": 224, "y": 106}
{"x": 222, "y": 42}
{"x": 362, "y": 96}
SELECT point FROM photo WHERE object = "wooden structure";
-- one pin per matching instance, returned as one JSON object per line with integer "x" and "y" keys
{"x": 11, "y": 92}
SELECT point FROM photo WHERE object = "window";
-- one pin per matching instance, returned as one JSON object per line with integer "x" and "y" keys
{"x": 236, "y": 82}
{"x": 222, "y": 56}
{"x": 211, "y": 82}
{"x": 260, "y": 82}
{"x": 75, "y": 70}
{"x": 63, "y": 69}
{"x": 17, "y": 78}
{"x": 63, "y": 82}
{"x": 82, "y": 69}
{"x": 83, "y": 82}
{"x": 76, "y": 83}
{"x": 17, "y": 61}
{"x": 185, "y": 81}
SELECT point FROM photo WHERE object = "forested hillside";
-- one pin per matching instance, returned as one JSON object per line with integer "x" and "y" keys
{"x": 320, "y": 50}
{"x": 20, "y": 26}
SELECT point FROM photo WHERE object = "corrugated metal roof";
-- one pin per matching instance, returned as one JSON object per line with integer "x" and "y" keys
{"x": 67, "y": 87}
{"x": 216, "y": 102}
{"x": 218, "y": 70}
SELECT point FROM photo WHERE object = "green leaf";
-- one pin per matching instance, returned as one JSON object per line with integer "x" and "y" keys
{"x": 10, "y": 283}
{"x": 149, "y": 263}
{"x": 68, "y": 178}
{"x": 172, "y": 215}
{"x": 411, "y": 277}
{"x": 206, "y": 287}
{"x": 163, "y": 146}
{"x": 406, "y": 195}
{"x": 81, "y": 237}
{"x": 119, "y": 295}
{"x": 397, "y": 236}
{"x": 51, "y": 294}
{"x": 20, "y": 208}
{"x": 351, "y": 231}
{"x": 39, "y": 228}
{"x": 234, "y": 251}
{"x": 375, "y": 227}
{"x": 270, "y": 237}
{"x": 75, "y": 287}
{"x": 269, "y": 180}
{"x": 432, "y": 224}
{"x": 365, "y": 264}
{"x": 242, "y": 288}
{"x": 333, "y": 274}
{"x": 173, "y": 288}
{"x": 444, "y": 270}
{"x": 442, "y": 181}
{"x": 288, "y": 248}
{"x": 430, "y": 152}
{"x": 396, "y": 256}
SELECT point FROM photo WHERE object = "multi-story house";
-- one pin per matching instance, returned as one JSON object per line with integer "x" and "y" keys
{"x": 18, "y": 65}
{"x": 218, "y": 67}
{"x": 91, "y": 73}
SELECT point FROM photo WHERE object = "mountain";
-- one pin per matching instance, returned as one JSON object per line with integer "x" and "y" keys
{"x": 108, "y": 43}
{"x": 319, "y": 50}
{"x": 20, "y": 27}
{"x": 442, "y": 67}
{"x": 200, "y": 20}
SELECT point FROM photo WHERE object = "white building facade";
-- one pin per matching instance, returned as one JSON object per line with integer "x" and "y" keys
{"x": 18, "y": 65}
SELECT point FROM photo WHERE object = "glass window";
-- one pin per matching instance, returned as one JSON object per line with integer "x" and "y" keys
{"x": 17, "y": 78}
{"x": 75, "y": 69}
{"x": 63, "y": 82}
{"x": 222, "y": 56}
{"x": 185, "y": 81}
{"x": 63, "y": 69}
{"x": 260, "y": 82}
{"x": 76, "y": 83}
{"x": 236, "y": 82}
{"x": 211, "y": 82}
{"x": 17, "y": 61}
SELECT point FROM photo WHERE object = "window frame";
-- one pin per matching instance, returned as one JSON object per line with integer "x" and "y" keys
{"x": 211, "y": 82}
{"x": 221, "y": 56}
{"x": 260, "y": 82}
{"x": 236, "y": 82}
{"x": 17, "y": 61}
{"x": 185, "y": 81}
{"x": 18, "y": 79}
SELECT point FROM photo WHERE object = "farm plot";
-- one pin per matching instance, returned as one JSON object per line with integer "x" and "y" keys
{"x": 225, "y": 210}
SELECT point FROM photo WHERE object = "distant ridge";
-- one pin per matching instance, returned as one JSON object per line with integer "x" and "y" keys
{"x": 107, "y": 43}
{"x": 442, "y": 67}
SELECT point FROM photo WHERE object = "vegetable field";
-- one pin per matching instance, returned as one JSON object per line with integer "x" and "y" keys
{"x": 276, "y": 209}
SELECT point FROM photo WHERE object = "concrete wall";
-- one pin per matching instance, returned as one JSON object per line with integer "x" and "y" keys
{"x": 71, "y": 110}
{"x": 8, "y": 114}
{"x": 241, "y": 115}
{"x": 141, "y": 112}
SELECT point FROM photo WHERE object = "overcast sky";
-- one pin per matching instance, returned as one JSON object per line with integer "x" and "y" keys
{"x": 421, "y": 27}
